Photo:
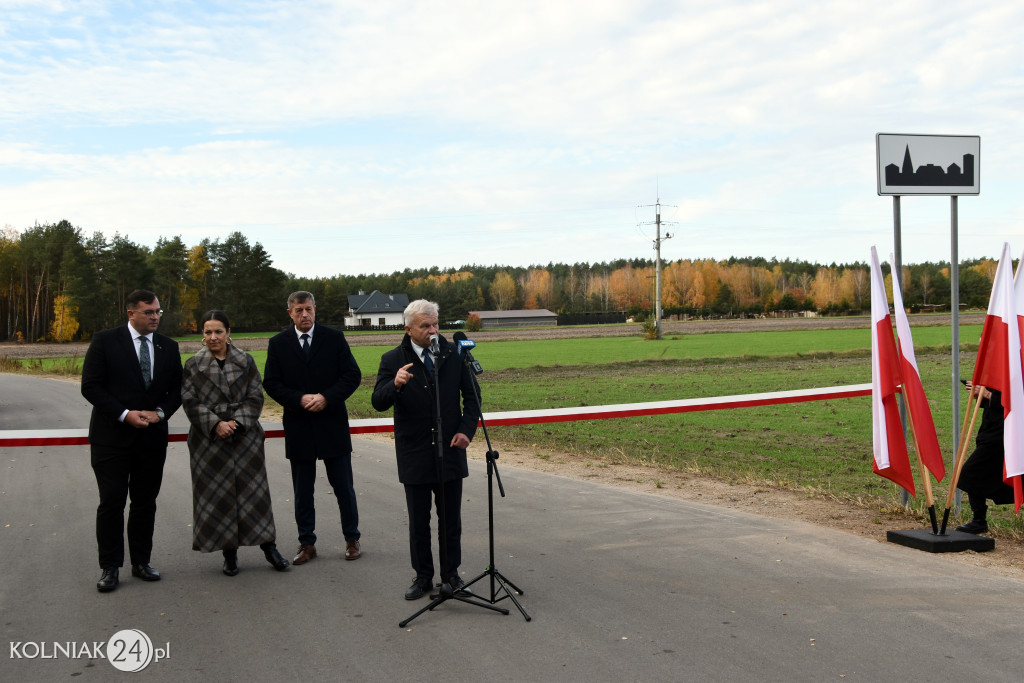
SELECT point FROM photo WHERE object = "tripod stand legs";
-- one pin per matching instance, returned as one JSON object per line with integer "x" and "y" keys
{"x": 504, "y": 585}
{"x": 447, "y": 594}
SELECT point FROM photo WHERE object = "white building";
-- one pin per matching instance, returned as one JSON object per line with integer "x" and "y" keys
{"x": 376, "y": 309}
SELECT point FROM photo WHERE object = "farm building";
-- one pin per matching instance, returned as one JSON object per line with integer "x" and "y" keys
{"x": 538, "y": 317}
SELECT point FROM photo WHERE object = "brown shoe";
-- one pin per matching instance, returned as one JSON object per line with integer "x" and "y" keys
{"x": 305, "y": 554}
{"x": 352, "y": 551}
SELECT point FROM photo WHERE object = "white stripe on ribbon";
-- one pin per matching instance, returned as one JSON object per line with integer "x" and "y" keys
{"x": 80, "y": 437}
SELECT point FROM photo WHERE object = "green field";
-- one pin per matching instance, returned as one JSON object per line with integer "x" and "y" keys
{"x": 821, "y": 447}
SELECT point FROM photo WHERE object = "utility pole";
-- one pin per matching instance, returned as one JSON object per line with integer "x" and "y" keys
{"x": 658, "y": 239}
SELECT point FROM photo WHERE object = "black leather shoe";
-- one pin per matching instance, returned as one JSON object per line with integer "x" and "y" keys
{"x": 975, "y": 526}
{"x": 230, "y": 563}
{"x": 145, "y": 572}
{"x": 418, "y": 589}
{"x": 457, "y": 585}
{"x": 108, "y": 581}
{"x": 276, "y": 560}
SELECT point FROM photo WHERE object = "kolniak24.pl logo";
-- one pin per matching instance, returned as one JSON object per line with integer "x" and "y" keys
{"x": 127, "y": 650}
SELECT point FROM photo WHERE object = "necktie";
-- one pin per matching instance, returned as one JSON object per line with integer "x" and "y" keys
{"x": 144, "y": 362}
{"x": 305, "y": 344}
{"x": 428, "y": 363}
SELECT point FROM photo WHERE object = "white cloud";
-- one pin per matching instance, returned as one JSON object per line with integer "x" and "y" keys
{"x": 537, "y": 126}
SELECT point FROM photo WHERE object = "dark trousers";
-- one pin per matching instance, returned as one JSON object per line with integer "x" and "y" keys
{"x": 339, "y": 474}
{"x": 120, "y": 474}
{"x": 418, "y": 501}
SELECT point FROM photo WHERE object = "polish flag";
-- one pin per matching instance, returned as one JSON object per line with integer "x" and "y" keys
{"x": 888, "y": 444}
{"x": 917, "y": 403}
{"x": 1018, "y": 295}
{"x": 999, "y": 367}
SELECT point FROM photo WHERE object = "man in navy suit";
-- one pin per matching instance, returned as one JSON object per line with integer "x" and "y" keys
{"x": 132, "y": 378}
{"x": 311, "y": 371}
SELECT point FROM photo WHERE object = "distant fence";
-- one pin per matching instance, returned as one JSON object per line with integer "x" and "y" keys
{"x": 80, "y": 437}
{"x": 592, "y": 319}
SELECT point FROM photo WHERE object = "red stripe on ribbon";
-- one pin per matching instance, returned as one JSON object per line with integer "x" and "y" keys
{"x": 79, "y": 437}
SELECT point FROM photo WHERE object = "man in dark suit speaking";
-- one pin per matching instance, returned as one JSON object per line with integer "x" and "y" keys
{"x": 405, "y": 382}
{"x": 132, "y": 378}
{"x": 311, "y": 371}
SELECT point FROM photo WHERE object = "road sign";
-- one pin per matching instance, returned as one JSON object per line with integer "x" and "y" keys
{"x": 928, "y": 164}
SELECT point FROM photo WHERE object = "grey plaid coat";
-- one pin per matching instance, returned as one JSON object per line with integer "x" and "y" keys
{"x": 230, "y": 494}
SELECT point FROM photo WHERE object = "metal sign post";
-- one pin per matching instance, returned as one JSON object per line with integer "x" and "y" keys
{"x": 931, "y": 165}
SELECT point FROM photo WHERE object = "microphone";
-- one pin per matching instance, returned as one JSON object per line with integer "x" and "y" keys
{"x": 464, "y": 350}
{"x": 435, "y": 348}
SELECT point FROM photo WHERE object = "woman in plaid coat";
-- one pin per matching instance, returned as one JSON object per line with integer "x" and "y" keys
{"x": 222, "y": 395}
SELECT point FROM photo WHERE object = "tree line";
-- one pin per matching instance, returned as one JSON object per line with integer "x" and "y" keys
{"x": 57, "y": 284}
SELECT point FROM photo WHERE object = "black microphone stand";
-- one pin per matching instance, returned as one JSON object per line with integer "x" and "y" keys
{"x": 503, "y": 584}
{"x": 445, "y": 591}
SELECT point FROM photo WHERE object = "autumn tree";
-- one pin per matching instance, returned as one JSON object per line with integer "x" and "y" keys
{"x": 631, "y": 288}
{"x": 574, "y": 288}
{"x": 599, "y": 290}
{"x": 853, "y": 286}
{"x": 825, "y": 288}
{"x": 682, "y": 285}
{"x": 986, "y": 268}
{"x": 195, "y": 292}
{"x": 536, "y": 288}
{"x": 710, "y": 274}
{"x": 65, "y": 319}
{"x": 503, "y": 291}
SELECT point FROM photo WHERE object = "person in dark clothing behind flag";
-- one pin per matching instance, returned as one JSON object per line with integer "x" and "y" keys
{"x": 982, "y": 475}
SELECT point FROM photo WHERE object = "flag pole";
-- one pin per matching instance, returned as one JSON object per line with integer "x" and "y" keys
{"x": 924, "y": 477}
{"x": 961, "y": 449}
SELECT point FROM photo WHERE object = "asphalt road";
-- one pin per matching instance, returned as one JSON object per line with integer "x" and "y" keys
{"x": 621, "y": 586}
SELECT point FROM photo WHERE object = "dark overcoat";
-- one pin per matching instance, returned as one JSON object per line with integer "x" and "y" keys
{"x": 230, "y": 493}
{"x": 331, "y": 370}
{"x": 112, "y": 383}
{"x": 982, "y": 474}
{"x": 415, "y": 420}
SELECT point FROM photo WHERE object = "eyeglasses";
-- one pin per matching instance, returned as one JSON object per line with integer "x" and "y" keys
{"x": 152, "y": 313}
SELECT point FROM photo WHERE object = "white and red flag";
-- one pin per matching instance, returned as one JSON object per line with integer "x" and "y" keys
{"x": 999, "y": 366}
{"x": 917, "y": 403}
{"x": 1015, "y": 481}
{"x": 889, "y": 446}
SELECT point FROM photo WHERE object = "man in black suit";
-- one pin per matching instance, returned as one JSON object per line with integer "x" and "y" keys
{"x": 311, "y": 371}
{"x": 405, "y": 381}
{"x": 132, "y": 378}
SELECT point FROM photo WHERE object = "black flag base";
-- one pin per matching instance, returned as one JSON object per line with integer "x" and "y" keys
{"x": 949, "y": 542}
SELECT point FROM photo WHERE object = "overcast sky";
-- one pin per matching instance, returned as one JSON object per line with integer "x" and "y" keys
{"x": 368, "y": 137}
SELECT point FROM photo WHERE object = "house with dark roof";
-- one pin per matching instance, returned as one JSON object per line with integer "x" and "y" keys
{"x": 376, "y": 309}
{"x": 530, "y": 317}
